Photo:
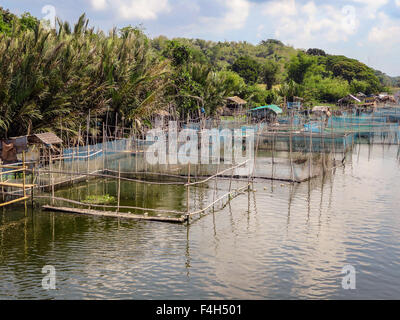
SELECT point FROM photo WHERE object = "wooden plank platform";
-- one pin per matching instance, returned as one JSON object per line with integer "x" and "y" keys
{"x": 113, "y": 214}
{"x": 16, "y": 185}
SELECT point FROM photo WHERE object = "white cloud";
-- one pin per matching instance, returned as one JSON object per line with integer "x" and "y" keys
{"x": 133, "y": 9}
{"x": 234, "y": 18}
{"x": 142, "y": 9}
{"x": 398, "y": 3}
{"x": 371, "y": 7}
{"x": 386, "y": 32}
{"x": 99, "y": 4}
{"x": 286, "y": 7}
{"x": 303, "y": 24}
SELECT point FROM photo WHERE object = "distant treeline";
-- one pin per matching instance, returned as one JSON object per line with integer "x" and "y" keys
{"x": 51, "y": 78}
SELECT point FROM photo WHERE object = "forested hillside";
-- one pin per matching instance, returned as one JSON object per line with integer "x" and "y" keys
{"x": 51, "y": 78}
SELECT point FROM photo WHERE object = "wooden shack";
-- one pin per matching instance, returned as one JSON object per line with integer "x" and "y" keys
{"x": 48, "y": 143}
{"x": 348, "y": 101}
{"x": 234, "y": 106}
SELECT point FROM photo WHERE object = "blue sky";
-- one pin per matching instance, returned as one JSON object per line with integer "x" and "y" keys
{"x": 368, "y": 30}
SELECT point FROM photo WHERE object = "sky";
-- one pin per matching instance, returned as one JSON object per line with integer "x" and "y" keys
{"x": 367, "y": 30}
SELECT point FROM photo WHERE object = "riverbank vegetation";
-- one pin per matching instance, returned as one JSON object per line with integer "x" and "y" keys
{"x": 50, "y": 79}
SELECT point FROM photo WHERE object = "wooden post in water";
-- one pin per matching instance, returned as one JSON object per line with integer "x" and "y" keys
{"x": 215, "y": 185}
{"x": 310, "y": 173}
{"x": 87, "y": 145}
{"x": 290, "y": 149}
{"x": 273, "y": 154}
{"x": 23, "y": 177}
{"x": 187, "y": 192}
{"x": 51, "y": 177}
{"x": 77, "y": 150}
{"x": 136, "y": 153}
{"x": 32, "y": 181}
{"x": 72, "y": 164}
{"x": 323, "y": 148}
{"x": 104, "y": 146}
{"x": 119, "y": 185}
{"x": 1, "y": 180}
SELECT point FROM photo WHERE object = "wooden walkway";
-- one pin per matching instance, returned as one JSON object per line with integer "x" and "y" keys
{"x": 114, "y": 214}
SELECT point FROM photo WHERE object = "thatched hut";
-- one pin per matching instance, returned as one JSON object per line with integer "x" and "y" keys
{"x": 234, "y": 106}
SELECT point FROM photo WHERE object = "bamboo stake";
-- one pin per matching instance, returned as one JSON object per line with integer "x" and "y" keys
{"x": 119, "y": 184}
{"x": 290, "y": 149}
{"x": 32, "y": 181}
{"x": 273, "y": 154}
{"x": 51, "y": 177}
{"x": 188, "y": 190}
{"x": 87, "y": 140}
{"x": 1, "y": 180}
{"x": 23, "y": 173}
{"x": 310, "y": 173}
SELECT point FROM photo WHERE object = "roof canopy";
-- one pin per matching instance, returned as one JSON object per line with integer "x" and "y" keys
{"x": 271, "y": 107}
{"x": 47, "y": 138}
{"x": 320, "y": 108}
{"x": 348, "y": 98}
{"x": 237, "y": 100}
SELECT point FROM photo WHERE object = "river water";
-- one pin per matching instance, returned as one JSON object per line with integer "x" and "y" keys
{"x": 281, "y": 241}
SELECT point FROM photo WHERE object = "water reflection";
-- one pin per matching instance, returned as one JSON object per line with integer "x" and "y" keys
{"x": 281, "y": 241}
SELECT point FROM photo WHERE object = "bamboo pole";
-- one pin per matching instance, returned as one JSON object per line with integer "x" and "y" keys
{"x": 112, "y": 206}
{"x": 111, "y": 176}
{"x": 23, "y": 173}
{"x": 87, "y": 140}
{"x": 188, "y": 190}
{"x": 13, "y": 201}
{"x": 51, "y": 177}
{"x": 310, "y": 173}
{"x": 32, "y": 181}
{"x": 273, "y": 154}
{"x": 1, "y": 180}
{"x": 119, "y": 185}
{"x": 290, "y": 149}
{"x": 115, "y": 215}
{"x": 104, "y": 146}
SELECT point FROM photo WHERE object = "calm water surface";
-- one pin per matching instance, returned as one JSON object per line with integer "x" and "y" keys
{"x": 280, "y": 242}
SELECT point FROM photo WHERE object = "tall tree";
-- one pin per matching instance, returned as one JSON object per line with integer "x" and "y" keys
{"x": 248, "y": 68}
{"x": 269, "y": 74}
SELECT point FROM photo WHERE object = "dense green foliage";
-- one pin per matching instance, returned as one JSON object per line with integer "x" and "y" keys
{"x": 8, "y": 21}
{"x": 247, "y": 68}
{"x": 50, "y": 79}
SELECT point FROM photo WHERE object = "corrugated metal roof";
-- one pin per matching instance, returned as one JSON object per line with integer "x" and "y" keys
{"x": 272, "y": 107}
